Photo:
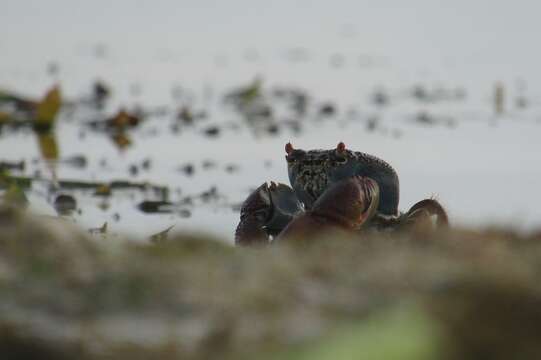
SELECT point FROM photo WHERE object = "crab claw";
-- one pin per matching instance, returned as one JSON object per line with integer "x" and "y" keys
{"x": 426, "y": 208}
{"x": 348, "y": 205}
{"x": 266, "y": 212}
{"x": 289, "y": 148}
{"x": 350, "y": 202}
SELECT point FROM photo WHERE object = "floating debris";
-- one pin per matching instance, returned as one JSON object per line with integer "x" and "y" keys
{"x": 380, "y": 98}
{"x": 48, "y": 109}
{"x": 99, "y": 230}
{"x": 154, "y": 207}
{"x": 100, "y": 93}
{"x": 424, "y": 117}
{"x": 420, "y": 93}
{"x": 211, "y": 194}
{"x": 231, "y": 168}
{"x": 372, "y": 123}
{"x": 48, "y": 146}
{"x": 273, "y": 129}
{"x": 121, "y": 140}
{"x": 53, "y": 68}
{"x": 186, "y": 116}
{"x": 123, "y": 120}
{"x": 327, "y": 109}
{"x": 212, "y": 131}
{"x": 65, "y": 204}
{"x": 103, "y": 190}
{"x": 246, "y": 94}
{"x": 9, "y": 165}
{"x": 426, "y": 94}
{"x": 146, "y": 164}
{"x": 184, "y": 213}
{"x": 499, "y": 98}
{"x": 188, "y": 169}
{"x": 208, "y": 164}
{"x": 133, "y": 170}
{"x": 161, "y": 236}
{"x": 76, "y": 161}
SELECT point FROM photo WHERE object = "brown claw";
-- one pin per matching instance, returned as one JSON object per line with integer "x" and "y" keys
{"x": 253, "y": 215}
{"x": 347, "y": 205}
{"x": 250, "y": 231}
{"x": 265, "y": 213}
{"x": 423, "y": 209}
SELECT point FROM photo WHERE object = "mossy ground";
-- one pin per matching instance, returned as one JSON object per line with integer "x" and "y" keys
{"x": 456, "y": 294}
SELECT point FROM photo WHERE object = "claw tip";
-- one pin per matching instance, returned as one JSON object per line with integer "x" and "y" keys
{"x": 289, "y": 148}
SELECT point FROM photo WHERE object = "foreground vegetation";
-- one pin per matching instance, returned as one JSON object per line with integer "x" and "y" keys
{"x": 422, "y": 295}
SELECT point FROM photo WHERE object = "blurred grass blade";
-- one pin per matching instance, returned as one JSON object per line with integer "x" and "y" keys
{"x": 405, "y": 333}
{"x": 14, "y": 195}
{"x": 48, "y": 108}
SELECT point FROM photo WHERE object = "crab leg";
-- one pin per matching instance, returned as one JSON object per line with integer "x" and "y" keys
{"x": 426, "y": 208}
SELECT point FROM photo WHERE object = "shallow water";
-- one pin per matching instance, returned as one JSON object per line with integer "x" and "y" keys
{"x": 482, "y": 167}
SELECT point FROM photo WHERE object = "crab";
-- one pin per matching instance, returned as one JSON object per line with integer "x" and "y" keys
{"x": 336, "y": 189}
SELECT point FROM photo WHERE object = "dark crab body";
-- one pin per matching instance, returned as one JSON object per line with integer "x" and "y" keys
{"x": 312, "y": 172}
{"x": 336, "y": 188}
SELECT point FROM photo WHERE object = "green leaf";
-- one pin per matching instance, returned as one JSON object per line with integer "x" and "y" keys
{"x": 48, "y": 146}
{"x": 48, "y": 107}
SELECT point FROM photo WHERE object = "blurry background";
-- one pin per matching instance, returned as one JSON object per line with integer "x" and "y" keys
{"x": 447, "y": 92}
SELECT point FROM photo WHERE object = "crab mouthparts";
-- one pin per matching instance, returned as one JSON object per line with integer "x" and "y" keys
{"x": 313, "y": 192}
{"x": 313, "y": 183}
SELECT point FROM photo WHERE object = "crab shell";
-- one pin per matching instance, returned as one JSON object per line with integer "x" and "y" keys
{"x": 312, "y": 172}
